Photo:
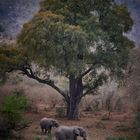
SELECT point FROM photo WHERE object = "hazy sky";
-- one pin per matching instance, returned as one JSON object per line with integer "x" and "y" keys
{"x": 134, "y": 8}
{"x": 13, "y": 13}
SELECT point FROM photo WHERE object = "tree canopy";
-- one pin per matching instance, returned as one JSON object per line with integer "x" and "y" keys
{"x": 11, "y": 58}
{"x": 70, "y": 36}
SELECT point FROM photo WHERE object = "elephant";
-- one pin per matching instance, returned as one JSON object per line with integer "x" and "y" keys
{"x": 70, "y": 133}
{"x": 46, "y": 125}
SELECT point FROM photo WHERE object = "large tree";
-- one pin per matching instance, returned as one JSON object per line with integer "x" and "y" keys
{"x": 81, "y": 40}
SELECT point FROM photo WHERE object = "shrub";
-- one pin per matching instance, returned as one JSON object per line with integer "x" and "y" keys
{"x": 61, "y": 111}
{"x": 138, "y": 137}
{"x": 11, "y": 112}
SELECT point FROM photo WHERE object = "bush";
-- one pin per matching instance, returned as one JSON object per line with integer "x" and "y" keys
{"x": 61, "y": 111}
{"x": 138, "y": 137}
{"x": 11, "y": 112}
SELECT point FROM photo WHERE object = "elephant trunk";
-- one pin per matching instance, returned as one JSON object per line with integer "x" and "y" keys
{"x": 85, "y": 138}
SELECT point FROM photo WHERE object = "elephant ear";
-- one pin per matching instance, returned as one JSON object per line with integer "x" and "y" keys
{"x": 55, "y": 123}
{"x": 76, "y": 131}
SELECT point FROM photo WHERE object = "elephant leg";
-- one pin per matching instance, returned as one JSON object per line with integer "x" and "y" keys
{"x": 57, "y": 138}
{"x": 49, "y": 133}
{"x": 49, "y": 136}
{"x": 61, "y": 137}
{"x": 75, "y": 137}
{"x": 49, "y": 130}
{"x": 42, "y": 129}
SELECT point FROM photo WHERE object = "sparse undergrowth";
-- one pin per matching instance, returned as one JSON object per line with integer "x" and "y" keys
{"x": 11, "y": 113}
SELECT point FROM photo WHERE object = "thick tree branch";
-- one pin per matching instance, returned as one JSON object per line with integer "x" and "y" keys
{"x": 88, "y": 70}
{"x": 91, "y": 89}
{"x": 88, "y": 91}
{"x": 96, "y": 83}
{"x": 28, "y": 71}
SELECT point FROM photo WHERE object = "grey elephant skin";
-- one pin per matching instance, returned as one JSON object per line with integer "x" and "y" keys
{"x": 46, "y": 125}
{"x": 70, "y": 133}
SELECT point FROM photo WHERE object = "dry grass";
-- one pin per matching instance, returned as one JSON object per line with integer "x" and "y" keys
{"x": 45, "y": 100}
{"x": 91, "y": 122}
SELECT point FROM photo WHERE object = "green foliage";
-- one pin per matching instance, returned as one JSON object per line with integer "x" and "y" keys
{"x": 61, "y": 111}
{"x": 11, "y": 57}
{"x": 64, "y": 33}
{"x": 11, "y": 111}
{"x": 55, "y": 43}
{"x": 138, "y": 137}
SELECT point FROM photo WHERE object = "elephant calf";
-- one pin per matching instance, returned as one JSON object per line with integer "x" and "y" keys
{"x": 46, "y": 125}
{"x": 70, "y": 133}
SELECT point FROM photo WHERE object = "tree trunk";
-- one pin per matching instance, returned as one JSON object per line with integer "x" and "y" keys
{"x": 76, "y": 90}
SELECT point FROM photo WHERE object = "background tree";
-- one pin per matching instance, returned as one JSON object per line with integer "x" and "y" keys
{"x": 11, "y": 58}
{"x": 133, "y": 84}
{"x": 80, "y": 40}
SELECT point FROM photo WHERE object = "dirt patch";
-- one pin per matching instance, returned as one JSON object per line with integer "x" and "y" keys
{"x": 89, "y": 121}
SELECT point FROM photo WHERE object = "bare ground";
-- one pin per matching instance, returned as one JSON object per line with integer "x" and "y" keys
{"x": 120, "y": 124}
